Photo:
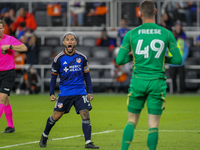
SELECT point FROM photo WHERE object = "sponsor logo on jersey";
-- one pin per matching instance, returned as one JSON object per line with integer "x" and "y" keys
{"x": 75, "y": 68}
{"x": 78, "y": 60}
{"x": 64, "y": 63}
{"x": 60, "y": 105}
{"x": 65, "y": 69}
{"x": 6, "y": 89}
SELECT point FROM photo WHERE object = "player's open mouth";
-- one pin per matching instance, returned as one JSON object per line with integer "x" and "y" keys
{"x": 70, "y": 47}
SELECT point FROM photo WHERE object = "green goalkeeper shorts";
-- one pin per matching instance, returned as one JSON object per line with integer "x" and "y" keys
{"x": 152, "y": 91}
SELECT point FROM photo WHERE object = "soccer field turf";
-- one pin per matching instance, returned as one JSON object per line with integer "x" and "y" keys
{"x": 179, "y": 126}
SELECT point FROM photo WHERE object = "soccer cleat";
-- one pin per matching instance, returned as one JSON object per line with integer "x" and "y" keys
{"x": 9, "y": 130}
{"x": 91, "y": 145}
{"x": 43, "y": 141}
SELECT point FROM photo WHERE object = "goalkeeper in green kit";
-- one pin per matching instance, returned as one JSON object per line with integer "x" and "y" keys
{"x": 146, "y": 46}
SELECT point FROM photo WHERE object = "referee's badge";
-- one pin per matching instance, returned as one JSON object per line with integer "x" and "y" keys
{"x": 78, "y": 60}
{"x": 60, "y": 105}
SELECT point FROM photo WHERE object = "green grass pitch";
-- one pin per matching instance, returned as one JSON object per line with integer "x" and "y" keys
{"x": 179, "y": 126}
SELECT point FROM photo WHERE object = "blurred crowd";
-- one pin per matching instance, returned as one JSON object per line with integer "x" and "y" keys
{"x": 22, "y": 24}
{"x": 174, "y": 15}
{"x": 22, "y": 27}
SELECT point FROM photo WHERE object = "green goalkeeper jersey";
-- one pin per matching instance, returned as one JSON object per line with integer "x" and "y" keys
{"x": 148, "y": 43}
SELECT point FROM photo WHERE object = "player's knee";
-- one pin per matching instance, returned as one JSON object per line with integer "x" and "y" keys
{"x": 133, "y": 121}
{"x": 6, "y": 101}
{"x": 153, "y": 126}
{"x": 2, "y": 100}
{"x": 56, "y": 118}
{"x": 153, "y": 123}
{"x": 84, "y": 114}
{"x": 133, "y": 117}
{"x": 57, "y": 115}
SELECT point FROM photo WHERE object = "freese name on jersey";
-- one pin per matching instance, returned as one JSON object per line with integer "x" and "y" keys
{"x": 149, "y": 31}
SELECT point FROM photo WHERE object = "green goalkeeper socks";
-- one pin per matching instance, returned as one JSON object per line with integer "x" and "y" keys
{"x": 127, "y": 135}
{"x": 152, "y": 139}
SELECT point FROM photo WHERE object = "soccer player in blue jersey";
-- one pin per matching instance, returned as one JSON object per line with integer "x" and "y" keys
{"x": 72, "y": 68}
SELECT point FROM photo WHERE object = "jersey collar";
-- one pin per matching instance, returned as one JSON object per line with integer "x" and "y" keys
{"x": 67, "y": 54}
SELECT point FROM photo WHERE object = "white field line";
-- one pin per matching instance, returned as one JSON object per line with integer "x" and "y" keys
{"x": 108, "y": 131}
{"x": 69, "y": 137}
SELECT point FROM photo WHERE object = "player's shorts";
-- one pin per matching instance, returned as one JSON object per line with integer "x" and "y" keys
{"x": 80, "y": 102}
{"x": 7, "y": 79}
{"x": 152, "y": 91}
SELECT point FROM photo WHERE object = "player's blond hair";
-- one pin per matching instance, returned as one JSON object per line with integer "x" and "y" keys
{"x": 147, "y": 8}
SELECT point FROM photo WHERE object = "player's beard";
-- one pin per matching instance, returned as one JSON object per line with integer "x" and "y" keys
{"x": 70, "y": 52}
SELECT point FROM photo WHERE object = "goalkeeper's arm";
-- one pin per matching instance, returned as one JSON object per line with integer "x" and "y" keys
{"x": 123, "y": 57}
{"x": 176, "y": 58}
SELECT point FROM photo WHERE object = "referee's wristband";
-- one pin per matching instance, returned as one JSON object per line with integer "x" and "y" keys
{"x": 10, "y": 47}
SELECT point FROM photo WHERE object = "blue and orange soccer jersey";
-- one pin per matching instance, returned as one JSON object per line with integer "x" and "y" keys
{"x": 71, "y": 70}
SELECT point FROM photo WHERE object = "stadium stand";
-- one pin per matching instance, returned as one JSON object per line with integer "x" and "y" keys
{"x": 101, "y": 54}
{"x": 41, "y": 18}
{"x": 51, "y": 29}
{"x": 57, "y": 49}
{"x": 191, "y": 74}
{"x": 52, "y": 41}
{"x": 89, "y": 41}
{"x": 45, "y": 55}
{"x": 86, "y": 50}
{"x": 189, "y": 41}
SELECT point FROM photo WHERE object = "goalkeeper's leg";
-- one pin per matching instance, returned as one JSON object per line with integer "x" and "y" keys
{"x": 129, "y": 130}
{"x": 153, "y": 122}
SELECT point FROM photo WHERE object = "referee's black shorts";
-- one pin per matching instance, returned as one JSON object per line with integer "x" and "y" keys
{"x": 7, "y": 80}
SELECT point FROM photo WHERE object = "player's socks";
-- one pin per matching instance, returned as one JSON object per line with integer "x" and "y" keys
{"x": 152, "y": 139}
{"x": 86, "y": 129}
{"x": 1, "y": 109}
{"x": 49, "y": 125}
{"x": 9, "y": 114}
{"x": 127, "y": 135}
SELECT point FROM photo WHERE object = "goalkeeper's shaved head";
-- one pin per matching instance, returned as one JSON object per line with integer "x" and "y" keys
{"x": 147, "y": 8}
